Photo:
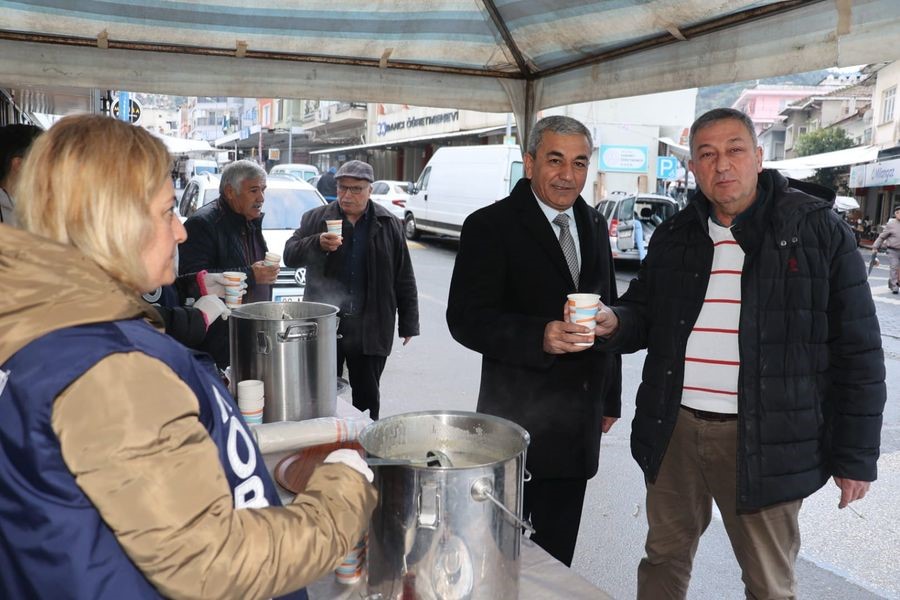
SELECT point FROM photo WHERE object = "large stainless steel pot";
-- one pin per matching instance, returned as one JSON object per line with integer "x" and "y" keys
{"x": 446, "y": 533}
{"x": 292, "y": 348}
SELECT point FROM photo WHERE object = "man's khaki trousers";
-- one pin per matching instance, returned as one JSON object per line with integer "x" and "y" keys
{"x": 700, "y": 465}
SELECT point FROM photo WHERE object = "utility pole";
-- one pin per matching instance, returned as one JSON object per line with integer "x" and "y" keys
{"x": 290, "y": 132}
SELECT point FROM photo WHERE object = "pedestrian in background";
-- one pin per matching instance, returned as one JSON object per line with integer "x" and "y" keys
{"x": 639, "y": 237}
{"x": 890, "y": 239}
{"x": 764, "y": 374}
{"x": 518, "y": 259}
{"x": 366, "y": 271}
{"x": 327, "y": 185}
{"x": 14, "y": 143}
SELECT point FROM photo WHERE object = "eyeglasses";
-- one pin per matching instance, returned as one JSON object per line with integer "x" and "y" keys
{"x": 353, "y": 189}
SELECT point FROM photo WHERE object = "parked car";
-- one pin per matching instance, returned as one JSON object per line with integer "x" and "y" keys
{"x": 286, "y": 201}
{"x": 621, "y": 209}
{"x": 457, "y": 181}
{"x": 186, "y": 168}
{"x": 392, "y": 195}
{"x": 201, "y": 189}
{"x": 298, "y": 170}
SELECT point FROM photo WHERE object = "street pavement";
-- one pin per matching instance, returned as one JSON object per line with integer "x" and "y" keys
{"x": 845, "y": 554}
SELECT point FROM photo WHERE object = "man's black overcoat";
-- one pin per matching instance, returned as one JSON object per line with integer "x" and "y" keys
{"x": 509, "y": 281}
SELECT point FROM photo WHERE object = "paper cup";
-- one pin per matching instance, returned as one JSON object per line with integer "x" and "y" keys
{"x": 583, "y": 310}
{"x": 351, "y": 568}
{"x": 250, "y": 389}
{"x": 253, "y": 416}
{"x": 234, "y": 277}
{"x": 232, "y": 295}
{"x": 335, "y": 226}
{"x": 251, "y": 400}
{"x": 272, "y": 259}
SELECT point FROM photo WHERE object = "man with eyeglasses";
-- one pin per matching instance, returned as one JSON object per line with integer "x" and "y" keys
{"x": 365, "y": 271}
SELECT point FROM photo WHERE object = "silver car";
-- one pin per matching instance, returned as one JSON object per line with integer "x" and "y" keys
{"x": 620, "y": 211}
{"x": 392, "y": 195}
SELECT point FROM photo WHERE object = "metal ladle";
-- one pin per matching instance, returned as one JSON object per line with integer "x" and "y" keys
{"x": 433, "y": 458}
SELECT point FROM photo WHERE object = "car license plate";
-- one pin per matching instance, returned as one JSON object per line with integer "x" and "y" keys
{"x": 287, "y": 294}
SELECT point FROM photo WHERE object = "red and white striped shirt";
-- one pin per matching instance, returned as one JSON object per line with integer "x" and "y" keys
{"x": 712, "y": 359}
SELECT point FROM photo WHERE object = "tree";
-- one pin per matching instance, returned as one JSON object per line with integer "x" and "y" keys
{"x": 825, "y": 140}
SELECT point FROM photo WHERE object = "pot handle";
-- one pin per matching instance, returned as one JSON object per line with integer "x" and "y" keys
{"x": 429, "y": 506}
{"x": 301, "y": 332}
{"x": 483, "y": 490}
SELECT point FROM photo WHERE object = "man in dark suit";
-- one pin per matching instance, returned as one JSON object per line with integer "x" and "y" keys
{"x": 518, "y": 259}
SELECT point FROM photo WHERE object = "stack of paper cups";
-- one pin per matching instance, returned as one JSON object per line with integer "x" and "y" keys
{"x": 350, "y": 570}
{"x": 251, "y": 400}
{"x": 234, "y": 287}
{"x": 272, "y": 259}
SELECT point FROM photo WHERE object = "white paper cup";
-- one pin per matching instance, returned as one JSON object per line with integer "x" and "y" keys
{"x": 251, "y": 400}
{"x": 250, "y": 389}
{"x": 233, "y": 295}
{"x": 234, "y": 277}
{"x": 335, "y": 226}
{"x": 583, "y": 310}
{"x": 351, "y": 568}
{"x": 272, "y": 259}
{"x": 253, "y": 416}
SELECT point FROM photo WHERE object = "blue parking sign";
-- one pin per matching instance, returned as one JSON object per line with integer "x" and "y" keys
{"x": 666, "y": 167}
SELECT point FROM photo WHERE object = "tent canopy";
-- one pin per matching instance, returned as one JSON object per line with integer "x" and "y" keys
{"x": 488, "y": 55}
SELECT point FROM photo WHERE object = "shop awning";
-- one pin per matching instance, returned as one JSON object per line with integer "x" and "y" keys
{"x": 805, "y": 166}
{"x": 183, "y": 146}
{"x": 682, "y": 153}
{"x": 422, "y": 138}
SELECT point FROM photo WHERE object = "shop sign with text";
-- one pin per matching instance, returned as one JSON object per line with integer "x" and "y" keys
{"x": 629, "y": 159}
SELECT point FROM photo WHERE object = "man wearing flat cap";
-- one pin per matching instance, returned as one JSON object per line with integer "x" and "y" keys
{"x": 366, "y": 272}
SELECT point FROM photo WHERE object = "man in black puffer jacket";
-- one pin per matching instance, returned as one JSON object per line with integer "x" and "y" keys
{"x": 764, "y": 373}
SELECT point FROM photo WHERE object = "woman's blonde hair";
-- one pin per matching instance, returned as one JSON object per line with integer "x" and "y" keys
{"x": 89, "y": 182}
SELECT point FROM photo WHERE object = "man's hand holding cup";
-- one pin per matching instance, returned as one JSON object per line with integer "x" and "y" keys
{"x": 332, "y": 239}
{"x": 264, "y": 273}
{"x": 607, "y": 323}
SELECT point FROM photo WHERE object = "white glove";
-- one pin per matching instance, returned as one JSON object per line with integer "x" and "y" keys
{"x": 352, "y": 459}
{"x": 212, "y": 308}
{"x": 214, "y": 283}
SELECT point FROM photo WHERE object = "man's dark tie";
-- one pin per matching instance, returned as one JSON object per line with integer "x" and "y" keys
{"x": 568, "y": 245}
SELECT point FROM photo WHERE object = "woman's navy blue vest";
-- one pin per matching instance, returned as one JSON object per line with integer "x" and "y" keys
{"x": 53, "y": 543}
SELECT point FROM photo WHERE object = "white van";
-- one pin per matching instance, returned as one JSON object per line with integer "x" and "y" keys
{"x": 297, "y": 170}
{"x": 188, "y": 168}
{"x": 457, "y": 181}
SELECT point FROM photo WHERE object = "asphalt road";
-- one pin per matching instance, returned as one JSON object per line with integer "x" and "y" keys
{"x": 846, "y": 554}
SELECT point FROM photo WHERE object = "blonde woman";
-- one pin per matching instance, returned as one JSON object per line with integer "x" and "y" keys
{"x": 126, "y": 470}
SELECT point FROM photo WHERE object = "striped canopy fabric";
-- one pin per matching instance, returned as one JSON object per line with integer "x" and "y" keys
{"x": 492, "y": 55}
